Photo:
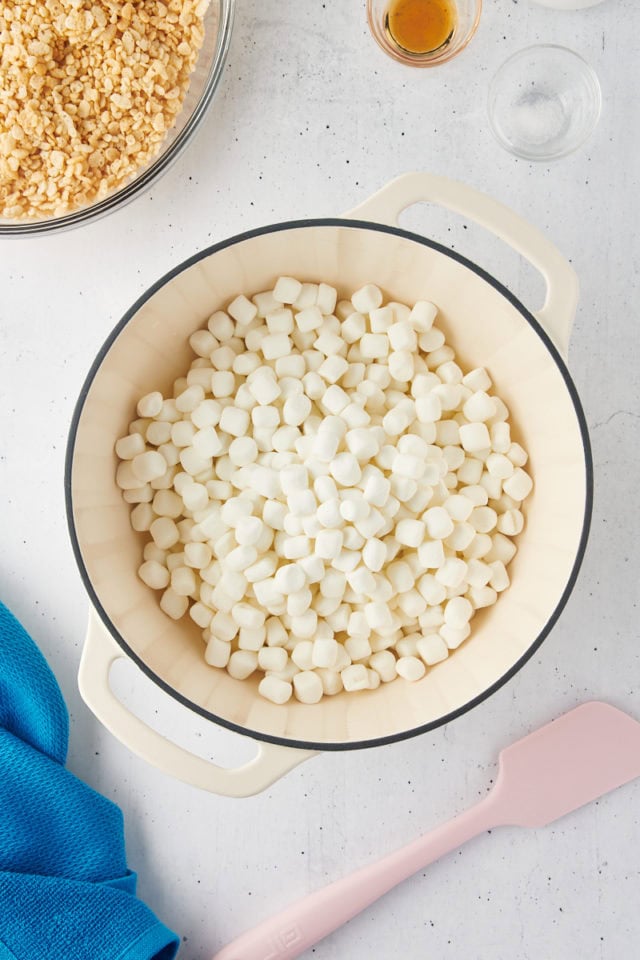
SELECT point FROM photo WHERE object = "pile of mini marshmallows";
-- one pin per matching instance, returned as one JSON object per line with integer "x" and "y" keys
{"x": 327, "y": 494}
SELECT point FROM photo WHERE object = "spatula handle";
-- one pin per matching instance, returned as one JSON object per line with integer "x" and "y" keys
{"x": 290, "y": 932}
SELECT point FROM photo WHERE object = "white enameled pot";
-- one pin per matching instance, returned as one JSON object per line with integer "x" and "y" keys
{"x": 486, "y": 325}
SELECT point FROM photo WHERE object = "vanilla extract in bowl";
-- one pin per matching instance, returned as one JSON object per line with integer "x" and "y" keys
{"x": 421, "y": 27}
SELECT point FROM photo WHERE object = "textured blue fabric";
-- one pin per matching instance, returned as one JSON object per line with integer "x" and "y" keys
{"x": 65, "y": 890}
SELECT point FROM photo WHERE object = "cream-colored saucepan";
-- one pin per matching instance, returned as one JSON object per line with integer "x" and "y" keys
{"x": 487, "y": 327}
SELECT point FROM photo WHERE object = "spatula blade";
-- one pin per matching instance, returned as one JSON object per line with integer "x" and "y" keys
{"x": 575, "y": 759}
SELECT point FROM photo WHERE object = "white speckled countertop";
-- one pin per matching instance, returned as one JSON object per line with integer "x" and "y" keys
{"x": 311, "y": 119}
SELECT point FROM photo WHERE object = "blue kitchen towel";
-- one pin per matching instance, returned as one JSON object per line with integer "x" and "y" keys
{"x": 65, "y": 890}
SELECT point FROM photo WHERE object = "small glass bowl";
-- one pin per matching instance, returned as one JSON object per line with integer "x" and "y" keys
{"x": 468, "y": 18}
{"x": 218, "y": 22}
{"x": 544, "y": 102}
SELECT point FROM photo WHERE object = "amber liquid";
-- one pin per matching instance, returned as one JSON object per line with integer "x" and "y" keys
{"x": 420, "y": 26}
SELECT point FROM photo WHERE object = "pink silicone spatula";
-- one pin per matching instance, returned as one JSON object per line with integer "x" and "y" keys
{"x": 563, "y": 765}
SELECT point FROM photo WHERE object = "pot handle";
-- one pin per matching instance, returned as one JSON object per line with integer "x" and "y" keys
{"x": 558, "y": 311}
{"x": 99, "y": 654}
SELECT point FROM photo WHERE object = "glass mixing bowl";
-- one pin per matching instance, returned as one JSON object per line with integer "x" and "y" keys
{"x": 204, "y": 81}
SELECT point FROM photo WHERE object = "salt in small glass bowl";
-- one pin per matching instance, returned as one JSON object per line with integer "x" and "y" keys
{"x": 544, "y": 102}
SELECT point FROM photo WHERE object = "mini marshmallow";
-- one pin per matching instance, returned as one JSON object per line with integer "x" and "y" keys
{"x": 431, "y": 590}
{"x": 275, "y": 345}
{"x": 313, "y": 568}
{"x": 164, "y": 532}
{"x": 174, "y": 605}
{"x": 329, "y": 344}
{"x": 309, "y": 319}
{"x": 474, "y": 437}
{"x": 274, "y": 689}
{"x": 462, "y": 536}
{"x": 154, "y": 574}
{"x": 431, "y": 554}
{"x": 479, "y": 407}
{"x": 251, "y": 638}
{"x": 438, "y": 523}
{"x": 302, "y": 655}
{"x": 401, "y": 365}
{"x": 127, "y": 448}
{"x": 331, "y": 681}
{"x": 234, "y": 421}
{"x": 326, "y": 298}
{"x": 280, "y": 321}
{"x": 333, "y": 368}
{"x": 299, "y": 602}
{"x": 223, "y": 383}
{"x": 402, "y": 336}
{"x": 333, "y": 584}
{"x": 362, "y": 443}
{"x": 328, "y": 544}
{"x": 454, "y": 637}
{"x": 499, "y": 466}
{"x": 345, "y": 469}
{"x": 264, "y": 387}
{"x": 242, "y": 311}
{"x": 410, "y": 668}
{"x": 355, "y": 677}
{"x": 277, "y": 636}
{"x": 367, "y": 298}
{"x": 325, "y": 653}
{"x": 286, "y": 290}
{"x": 374, "y": 346}
{"x": 223, "y": 626}
{"x": 296, "y": 410}
{"x": 384, "y": 664}
{"x": 329, "y": 513}
{"x": 483, "y": 519}
{"x": 370, "y": 525}
{"x": 217, "y": 653}
{"x": 377, "y": 489}
{"x": 378, "y": 615}
{"x": 432, "y": 649}
{"x": 458, "y": 612}
{"x": 242, "y": 664}
{"x": 410, "y": 533}
{"x": 289, "y": 578}
{"x": 511, "y": 523}
{"x": 334, "y": 399}
{"x": 305, "y": 625}
{"x": 149, "y": 466}
{"x": 452, "y": 572}
{"x": 374, "y": 555}
{"x": 358, "y": 648}
{"x": 397, "y": 420}
{"x": 422, "y": 316}
{"x": 499, "y": 577}
{"x": 353, "y": 328}
{"x": 518, "y": 486}
{"x": 235, "y": 509}
{"x": 302, "y": 502}
{"x": 294, "y": 548}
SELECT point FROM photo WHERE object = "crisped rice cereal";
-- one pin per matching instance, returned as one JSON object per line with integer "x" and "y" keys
{"x": 88, "y": 91}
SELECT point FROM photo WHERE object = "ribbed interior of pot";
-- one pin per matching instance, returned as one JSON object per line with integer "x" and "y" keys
{"x": 484, "y": 328}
